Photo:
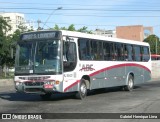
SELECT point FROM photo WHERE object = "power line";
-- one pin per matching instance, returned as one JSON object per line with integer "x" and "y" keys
{"x": 78, "y": 4}
{"x": 82, "y": 9}
{"x": 95, "y": 15}
{"x": 59, "y": 8}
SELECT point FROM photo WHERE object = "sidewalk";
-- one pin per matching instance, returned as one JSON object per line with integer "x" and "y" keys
{"x": 6, "y": 82}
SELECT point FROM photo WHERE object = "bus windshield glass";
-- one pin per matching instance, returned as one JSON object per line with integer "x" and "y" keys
{"x": 38, "y": 57}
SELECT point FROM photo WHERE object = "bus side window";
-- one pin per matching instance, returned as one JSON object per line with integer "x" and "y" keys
{"x": 112, "y": 52}
{"x": 120, "y": 50}
{"x": 85, "y": 52}
{"x": 70, "y": 56}
{"x": 130, "y": 52}
{"x": 137, "y": 53}
{"x": 96, "y": 49}
{"x": 106, "y": 51}
{"x": 125, "y": 53}
{"x": 145, "y": 54}
{"x": 141, "y": 53}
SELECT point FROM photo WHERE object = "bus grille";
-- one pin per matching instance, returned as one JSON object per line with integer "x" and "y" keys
{"x": 34, "y": 78}
{"x": 34, "y": 90}
{"x": 34, "y": 83}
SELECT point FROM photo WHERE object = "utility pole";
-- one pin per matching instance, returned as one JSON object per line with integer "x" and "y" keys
{"x": 156, "y": 45}
{"x": 59, "y": 8}
{"x": 39, "y": 21}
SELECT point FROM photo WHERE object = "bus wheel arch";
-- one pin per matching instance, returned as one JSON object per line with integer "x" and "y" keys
{"x": 82, "y": 90}
{"x": 87, "y": 80}
{"x": 130, "y": 82}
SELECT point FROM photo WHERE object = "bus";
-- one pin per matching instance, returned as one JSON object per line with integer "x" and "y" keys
{"x": 49, "y": 62}
{"x": 155, "y": 57}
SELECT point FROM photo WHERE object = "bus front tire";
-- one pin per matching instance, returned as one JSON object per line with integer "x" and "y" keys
{"x": 82, "y": 93}
{"x": 130, "y": 84}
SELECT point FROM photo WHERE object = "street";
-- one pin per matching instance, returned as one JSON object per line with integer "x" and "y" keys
{"x": 143, "y": 99}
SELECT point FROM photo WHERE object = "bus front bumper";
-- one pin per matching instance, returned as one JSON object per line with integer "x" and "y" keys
{"x": 35, "y": 87}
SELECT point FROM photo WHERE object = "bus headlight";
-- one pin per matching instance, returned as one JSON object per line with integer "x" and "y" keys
{"x": 18, "y": 83}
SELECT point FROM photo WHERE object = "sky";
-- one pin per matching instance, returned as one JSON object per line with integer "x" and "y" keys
{"x": 94, "y": 14}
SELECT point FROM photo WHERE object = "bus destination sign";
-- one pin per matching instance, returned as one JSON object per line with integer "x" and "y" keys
{"x": 39, "y": 35}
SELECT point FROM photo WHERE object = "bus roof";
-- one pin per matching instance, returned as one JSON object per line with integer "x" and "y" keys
{"x": 92, "y": 36}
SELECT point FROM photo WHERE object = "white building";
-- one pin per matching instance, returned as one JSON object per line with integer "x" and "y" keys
{"x": 16, "y": 19}
{"x": 106, "y": 33}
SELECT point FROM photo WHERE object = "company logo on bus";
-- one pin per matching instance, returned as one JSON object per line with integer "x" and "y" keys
{"x": 87, "y": 67}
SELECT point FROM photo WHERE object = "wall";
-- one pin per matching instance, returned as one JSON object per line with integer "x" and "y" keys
{"x": 156, "y": 69}
{"x": 130, "y": 32}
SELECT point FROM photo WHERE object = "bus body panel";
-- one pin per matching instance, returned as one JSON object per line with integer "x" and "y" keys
{"x": 115, "y": 75}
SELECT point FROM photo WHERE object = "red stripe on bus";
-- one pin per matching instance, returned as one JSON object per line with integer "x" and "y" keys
{"x": 75, "y": 83}
{"x": 118, "y": 66}
{"x": 109, "y": 68}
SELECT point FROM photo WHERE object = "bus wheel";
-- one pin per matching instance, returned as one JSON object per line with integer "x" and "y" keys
{"x": 130, "y": 84}
{"x": 82, "y": 93}
{"x": 46, "y": 96}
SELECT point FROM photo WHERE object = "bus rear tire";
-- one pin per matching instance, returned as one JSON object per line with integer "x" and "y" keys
{"x": 46, "y": 96}
{"x": 82, "y": 93}
{"x": 130, "y": 83}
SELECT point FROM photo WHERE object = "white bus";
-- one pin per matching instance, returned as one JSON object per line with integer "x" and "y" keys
{"x": 63, "y": 61}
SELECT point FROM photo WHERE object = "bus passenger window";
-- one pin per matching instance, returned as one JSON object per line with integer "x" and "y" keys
{"x": 145, "y": 54}
{"x": 119, "y": 50}
{"x": 130, "y": 53}
{"x": 137, "y": 53}
{"x": 125, "y": 53}
{"x": 106, "y": 51}
{"x": 96, "y": 49}
{"x": 84, "y": 49}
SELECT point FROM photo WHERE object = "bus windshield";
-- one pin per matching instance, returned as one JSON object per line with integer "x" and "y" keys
{"x": 38, "y": 57}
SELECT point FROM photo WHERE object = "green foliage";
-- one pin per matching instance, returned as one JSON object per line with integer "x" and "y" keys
{"x": 4, "y": 42}
{"x": 84, "y": 30}
{"x": 56, "y": 27}
{"x": 8, "y": 42}
{"x": 72, "y": 28}
{"x": 154, "y": 42}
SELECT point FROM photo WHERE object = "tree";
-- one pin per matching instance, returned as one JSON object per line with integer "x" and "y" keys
{"x": 56, "y": 27}
{"x": 4, "y": 41}
{"x": 154, "y": 42}
{"x": 8, "y": 42}
{"x": 84, "y": 30}
{"x": 72, "y": 28}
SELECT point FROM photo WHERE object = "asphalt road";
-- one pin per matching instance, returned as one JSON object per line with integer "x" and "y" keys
{"x": 143, "y": 99}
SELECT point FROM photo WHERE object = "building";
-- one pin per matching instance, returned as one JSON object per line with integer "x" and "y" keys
{"x": 106, "y": 33}
{"x": 135, "y": 32}
{"x": 16, "y": 20}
